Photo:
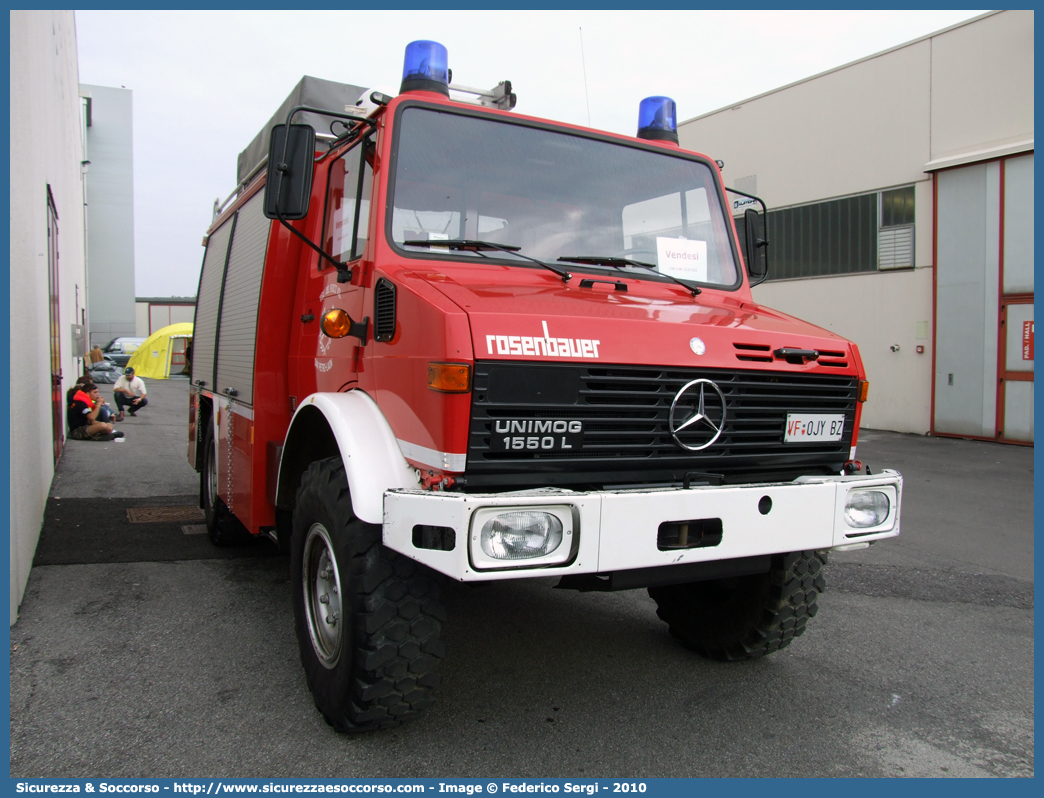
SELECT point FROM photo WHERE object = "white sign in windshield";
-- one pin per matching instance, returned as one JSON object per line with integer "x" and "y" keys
{"x": 682, "y": 258}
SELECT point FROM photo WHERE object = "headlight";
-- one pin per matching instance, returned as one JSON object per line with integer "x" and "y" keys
{"x": 866, "y": 508}
{"x": 513, "y": 537}
{"x": 520, "y": 535}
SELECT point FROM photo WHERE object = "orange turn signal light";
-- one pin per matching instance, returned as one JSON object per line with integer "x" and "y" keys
{"x": 336, "y": 323}
{"x": 449, "y": 377}
{"x": 864, "y": 389}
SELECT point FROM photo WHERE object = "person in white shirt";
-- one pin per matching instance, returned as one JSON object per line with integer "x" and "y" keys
{"x": 129, "y": 392}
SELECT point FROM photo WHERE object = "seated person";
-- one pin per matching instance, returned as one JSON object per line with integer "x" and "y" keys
{"x": 105, "y": 414}
{"x": 82, "y": 415}
{"x": 129, "y": 392}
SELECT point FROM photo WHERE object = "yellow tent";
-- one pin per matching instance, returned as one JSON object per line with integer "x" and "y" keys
{"x": 163, "y": 352}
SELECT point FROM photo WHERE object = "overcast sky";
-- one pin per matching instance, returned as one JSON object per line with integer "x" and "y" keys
{"x": 205, "y": 83}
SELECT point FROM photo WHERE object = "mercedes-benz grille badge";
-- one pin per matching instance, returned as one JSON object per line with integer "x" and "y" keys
{"x": 700, "y": 420}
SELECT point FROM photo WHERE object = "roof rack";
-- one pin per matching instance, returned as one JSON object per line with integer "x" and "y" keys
{"x": 500, "y": 96}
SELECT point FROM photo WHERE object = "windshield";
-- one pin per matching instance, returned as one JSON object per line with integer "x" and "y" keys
{"x": 552, "y": 194}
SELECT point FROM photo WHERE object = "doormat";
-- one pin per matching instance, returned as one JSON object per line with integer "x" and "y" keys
{"x": 151, "y": 515}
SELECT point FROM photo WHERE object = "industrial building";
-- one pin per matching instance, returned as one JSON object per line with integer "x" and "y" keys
{"x": 72, "y": 250}
{"x": 900, "y": 194}
{"x": 110, "y": 213}
{"x": 48, "y": 276}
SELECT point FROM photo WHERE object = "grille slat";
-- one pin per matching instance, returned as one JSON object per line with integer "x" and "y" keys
{"x": 626, "y": 411}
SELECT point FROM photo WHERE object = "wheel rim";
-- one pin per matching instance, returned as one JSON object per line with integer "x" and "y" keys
{"x": 322, "y": 595}
{"x": 211, "y": 481}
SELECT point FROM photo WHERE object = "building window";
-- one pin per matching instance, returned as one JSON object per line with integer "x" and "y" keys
{"x": 897, "y": 207}
{"x": 832, "y": 237}
{"x": 843, "y": 236}
{"x": 895, "y": 239}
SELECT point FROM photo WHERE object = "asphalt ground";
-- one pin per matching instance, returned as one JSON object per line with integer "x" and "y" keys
{"x": 142, "y": 651}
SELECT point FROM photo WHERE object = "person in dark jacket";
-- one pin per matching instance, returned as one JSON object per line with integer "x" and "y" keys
{"x": 106, "y": 413}
{"x": 82, "y": 414}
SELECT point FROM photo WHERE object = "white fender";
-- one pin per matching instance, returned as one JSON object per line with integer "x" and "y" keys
{"x": 372, "y": 459}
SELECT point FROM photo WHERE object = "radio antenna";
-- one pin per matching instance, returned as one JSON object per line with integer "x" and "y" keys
{"x": 583, "y": 62}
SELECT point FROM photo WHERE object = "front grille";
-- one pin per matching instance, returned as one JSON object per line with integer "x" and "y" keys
{"x": 762, "y": 353}
{"x": 626, "y": 437}
{"x": 756, "y": 353}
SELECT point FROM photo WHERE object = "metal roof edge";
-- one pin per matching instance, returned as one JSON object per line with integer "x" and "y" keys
{"x": 974, "y": 156}
{"x": 910, "y": 43}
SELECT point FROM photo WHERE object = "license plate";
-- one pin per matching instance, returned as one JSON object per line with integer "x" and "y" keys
{"x": 536, "y": 435}
{"x": 809, "y": 428}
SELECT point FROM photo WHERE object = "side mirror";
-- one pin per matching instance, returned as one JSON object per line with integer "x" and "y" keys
{"x": 756, "y": 245}
{"x": 288, "y": 188}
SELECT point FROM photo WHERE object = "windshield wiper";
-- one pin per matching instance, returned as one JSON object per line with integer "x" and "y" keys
{"x": 472, "y": 245}
{"x": 619, "y": 263}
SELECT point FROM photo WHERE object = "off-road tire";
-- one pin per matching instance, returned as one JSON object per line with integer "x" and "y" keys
{"x": 223, "y": 528}
{"x": 380, "y": 669}
{"x": 745, "y": 617}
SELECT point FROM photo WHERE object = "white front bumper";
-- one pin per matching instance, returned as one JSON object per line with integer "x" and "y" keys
{"x": 617, "y": 530}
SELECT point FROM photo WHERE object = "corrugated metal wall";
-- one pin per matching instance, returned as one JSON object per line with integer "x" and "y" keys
{"x": 208, "y": 301}
{"x": 238, "y": 332}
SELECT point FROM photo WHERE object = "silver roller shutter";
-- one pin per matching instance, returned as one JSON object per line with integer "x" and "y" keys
{"x": 208, "y": 304}
{"x": 967, "y": 275}
{"x": 238, "y": 331}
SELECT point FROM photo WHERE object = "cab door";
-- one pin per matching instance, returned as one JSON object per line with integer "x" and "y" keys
{"x": 323, "y": 363}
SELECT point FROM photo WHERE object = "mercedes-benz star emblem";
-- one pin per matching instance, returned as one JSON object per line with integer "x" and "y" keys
{"x": 697, "y": 346}
{"x": 698, "y": 414}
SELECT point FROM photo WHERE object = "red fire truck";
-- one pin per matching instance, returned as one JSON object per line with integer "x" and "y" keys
{"x": 447, "y": 341}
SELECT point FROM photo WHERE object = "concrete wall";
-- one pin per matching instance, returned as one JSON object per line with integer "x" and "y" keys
{"x": 46, "y": 148}
{"x": 110, "y": 214}
{"x": 872, "y": 125}
{"x": 982, "y": 85}
{"x": 141, "y": 319}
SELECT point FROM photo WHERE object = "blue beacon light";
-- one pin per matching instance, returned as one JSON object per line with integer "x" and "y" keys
{"x": 425, "y": 68}
{"x": 658, "y": 119}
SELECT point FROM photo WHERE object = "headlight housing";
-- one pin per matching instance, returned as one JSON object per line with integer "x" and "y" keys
{"x": 865, "y": 509}
{"x": 522, "y": 537}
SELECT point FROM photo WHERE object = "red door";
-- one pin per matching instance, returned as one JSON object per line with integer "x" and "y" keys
{"x": 54, "y": 322}
{"x": 178, "y": 360}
